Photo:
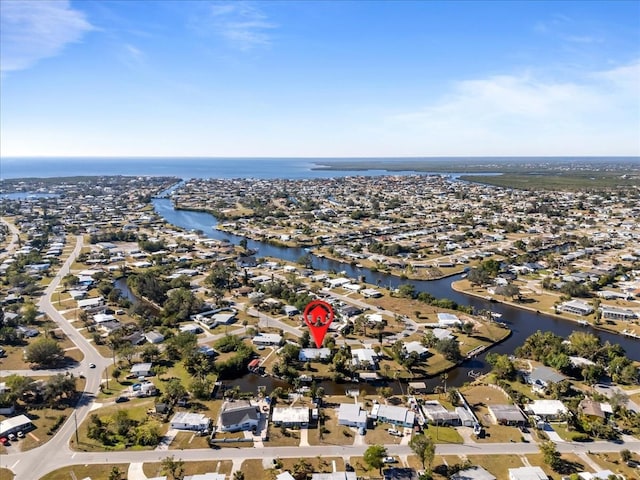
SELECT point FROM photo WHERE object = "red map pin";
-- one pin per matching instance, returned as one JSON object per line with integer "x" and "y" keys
{"x": 318, "y": 315}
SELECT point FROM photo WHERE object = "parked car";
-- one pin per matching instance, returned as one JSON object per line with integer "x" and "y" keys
{"x": 92, "y": 365}
{"x": 389, "y": 460}
{"x": 20, "y": 434}
{"x": 122, "y": 399}
{"x": 4, "y": 441}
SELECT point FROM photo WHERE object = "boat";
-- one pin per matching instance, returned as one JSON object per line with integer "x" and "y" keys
{"x": 584, "y": 323}
{"x": 496, "y": 315}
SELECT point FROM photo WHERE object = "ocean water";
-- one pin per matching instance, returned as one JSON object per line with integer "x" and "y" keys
{"x": 293, "y": 168}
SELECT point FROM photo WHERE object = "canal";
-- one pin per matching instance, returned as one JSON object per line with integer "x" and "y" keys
{"x": 522, "y": 323}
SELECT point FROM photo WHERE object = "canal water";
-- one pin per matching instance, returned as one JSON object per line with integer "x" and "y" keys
{"x": 522, "y": 323}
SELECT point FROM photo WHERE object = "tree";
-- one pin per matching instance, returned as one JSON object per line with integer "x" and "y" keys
{"x": 115, "y": 474}
{"x": 501, "y": 365}
{"x": 302, "y": 469}
{"x": 173, "y": 468}
{"x": 449, "y": 348}
{"x": 174, "y": 391}
{"x": 373, "y": 456}
{"x": 424, "y": 447}
{"x": 29, "y": 313}
{"x": 551, "y": 455}
{"x": 44, "y": 352}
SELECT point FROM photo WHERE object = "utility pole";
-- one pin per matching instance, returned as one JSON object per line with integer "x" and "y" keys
{"x": 75, "y": 418}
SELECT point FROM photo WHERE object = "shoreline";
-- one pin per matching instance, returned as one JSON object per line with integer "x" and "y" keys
{"x": 490, "y": 298}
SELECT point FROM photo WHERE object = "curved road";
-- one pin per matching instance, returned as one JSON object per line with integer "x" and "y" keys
{"x": 56, "y": 453}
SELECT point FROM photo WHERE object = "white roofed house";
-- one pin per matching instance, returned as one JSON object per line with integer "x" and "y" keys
{"x": 352, "y": 415}
{"x": 576, "y": 307}
{"x": 417, "y": 348}
{"x": 267, "y": 339}
{"x": 400, "y": 416}
{"x": 527, "y": 473}
{"x": 15, "y": 424}
{"x": 190, "y": 421}
{"x": 617, "y": 313}
{"x": 448, "y": 320}
{"x": 307, "y": 354}
{"x": 142, "y": 369}
{"x": 290, "y": 416}
{"x": 547, "y": 409}
{"x": 364, "y": 358}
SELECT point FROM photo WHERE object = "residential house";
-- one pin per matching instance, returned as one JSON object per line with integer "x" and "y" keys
{"x": 15, "y": 424}
{"x": 417, "y": 348}
{"x": 547, "y": 409}
{"x": 507, "y": 414}
{"x": 352, "y": 415}
{"x": 142, "y": 369}
{"x": 238, "y": 416}
{"x": 436, "y": 414}
{"x": 337, "y": 475}
{"x": 267, "y": 339}
{"x": 593, "y": 410}
{"x": 576, "y": 307}
{"x": 540, "y": 378}
{"x": 290, "y": 416}
{"x": 399, "y": 416}
{"x": 527, "y": 473}
{"x": 308, "y": 354}
{"x": 472, "y": 473}
{"x": 190, "y": 421}
{"x": 365, "y": 358}
{"x": 154, "y": 337}
{"x": 446, "y": 320}
{"x": 616, "y": 313}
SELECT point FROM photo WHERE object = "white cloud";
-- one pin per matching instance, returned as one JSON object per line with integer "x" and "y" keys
{"x": 527, "y": 115}
{"x": 243, "y": 25}
{"x": 33, "y": 30}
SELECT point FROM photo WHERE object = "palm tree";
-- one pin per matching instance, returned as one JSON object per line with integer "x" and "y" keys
{"x": 238, "y": 475}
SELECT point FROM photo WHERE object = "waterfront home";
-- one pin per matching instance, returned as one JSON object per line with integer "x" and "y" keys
{"x": 142, "y": 369}
{"x": 616, "y": 313}
{"x": 527, "y": 473}
{"x": 364, "y": 358}
{"x": 238, "y": 416}
{"x": 190, "y": 421}
{"x": 417, "y": 348}
{"x": 290, "y": 416}
{"x": 576, "y": 307}
{"x": 400, "y": 416}
{"x": 507, "y": 415}
{"x": 540, "y": 378}
{"x": 352, "y": 415}
{"x": 308, "y": 354}
{"x": 547, "y": 409}
{"x": 448, "y": 320}
{"x": 436, "y": 414}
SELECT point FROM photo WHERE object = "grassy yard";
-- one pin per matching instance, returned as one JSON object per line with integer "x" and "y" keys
{"x": 95, "y": 472}
{"x": 191, "y": 468}
{"x": 443, "y": 434}
{"x": 6, "y": 474}
{"x": 136, "y": 409}
{"x": 319, "y": 464}
{"x": 381, "y": 436}
{"x": 283, "y": 437}
{"x": 498, "y": 465}
{"x": 333, "y": 434}
{"x": 254, "y": 470}
{"x": 185, "y": 440}
{"x": 612, "y": 461}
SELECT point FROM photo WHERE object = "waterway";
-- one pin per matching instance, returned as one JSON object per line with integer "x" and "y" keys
{"x": 522, "y": 323}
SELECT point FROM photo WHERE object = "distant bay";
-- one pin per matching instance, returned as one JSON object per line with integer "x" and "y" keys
{"x": 291, "y": 168}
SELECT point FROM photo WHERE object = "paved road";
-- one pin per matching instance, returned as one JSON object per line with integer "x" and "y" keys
{"x": 56, "y": 453}
{"x": 13, "y": 243}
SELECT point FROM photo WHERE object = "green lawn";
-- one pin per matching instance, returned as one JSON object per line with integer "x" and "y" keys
{"x": 95, "y": 472}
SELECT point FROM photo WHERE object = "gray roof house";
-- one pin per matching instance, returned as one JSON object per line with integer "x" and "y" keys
{"x": 237, "y": 416}
{"x": 142, "y": 369}
{"x": 351, "y": 415}
{"x": 400, "y": 416}
{"x": 541, "y": 377}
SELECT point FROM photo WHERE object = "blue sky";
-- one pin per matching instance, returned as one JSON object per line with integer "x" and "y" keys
{"x": 307, "y": 78}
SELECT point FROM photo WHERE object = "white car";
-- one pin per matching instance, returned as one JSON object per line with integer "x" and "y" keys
{"x": 389, "y": 460}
